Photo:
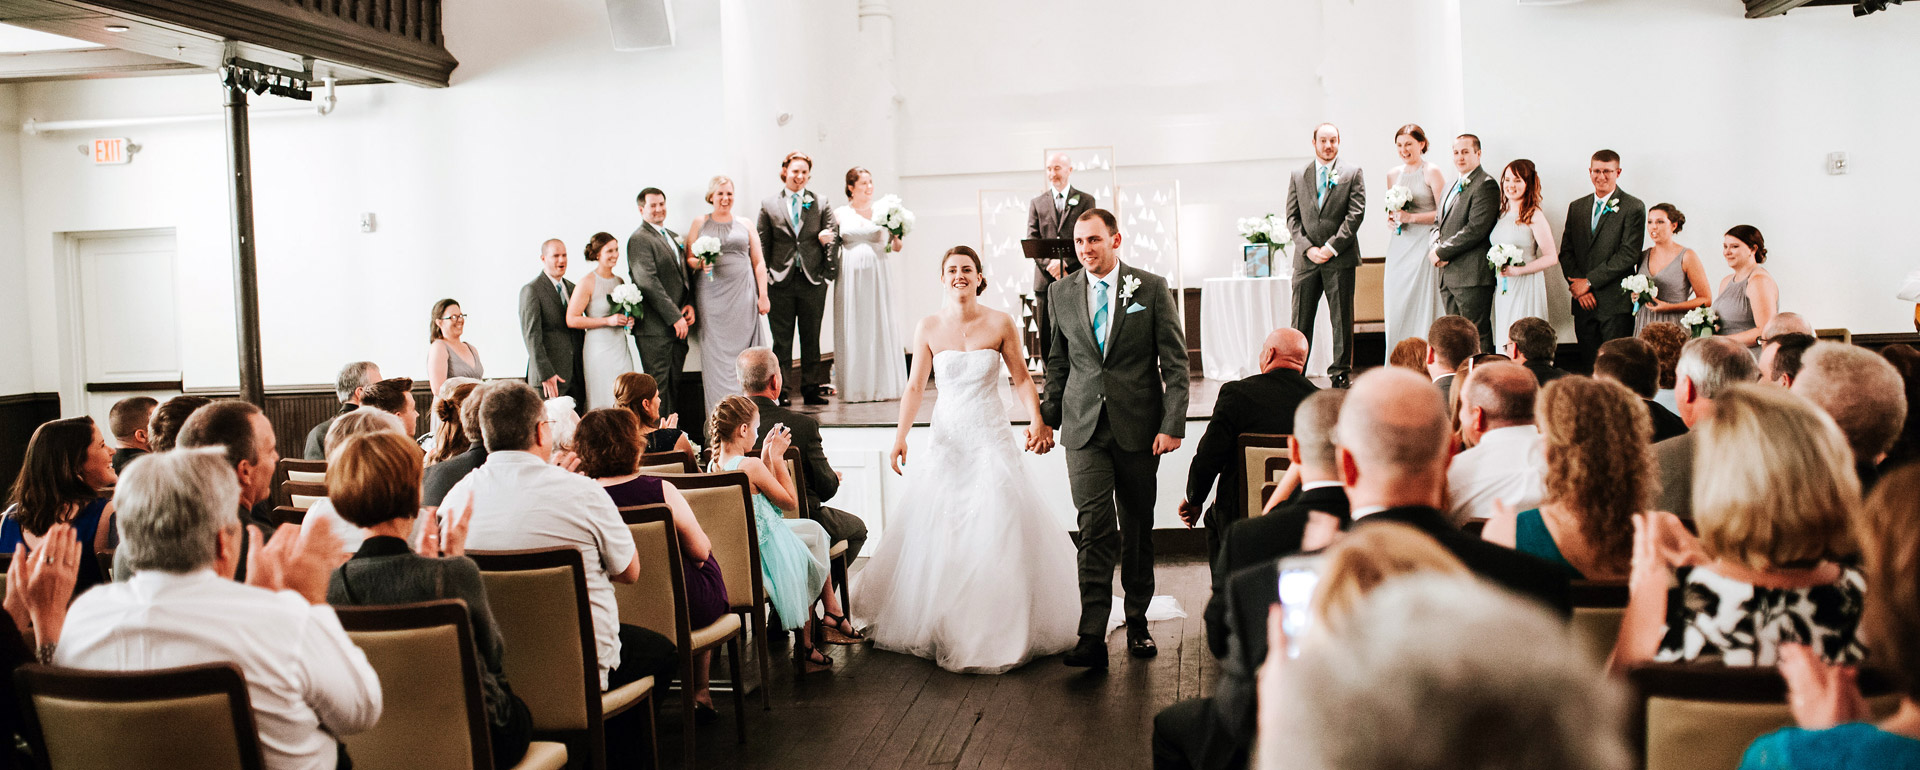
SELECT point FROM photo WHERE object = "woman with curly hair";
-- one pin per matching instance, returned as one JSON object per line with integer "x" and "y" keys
{"x": 1599, "y": 474}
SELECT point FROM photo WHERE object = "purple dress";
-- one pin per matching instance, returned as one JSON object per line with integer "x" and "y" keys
{"x": 706, "y": 591}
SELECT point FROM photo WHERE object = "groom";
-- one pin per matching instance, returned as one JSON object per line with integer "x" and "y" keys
{"x": 1117, "y": 389}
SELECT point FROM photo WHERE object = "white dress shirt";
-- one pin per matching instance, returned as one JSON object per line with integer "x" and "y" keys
{"x": 302, "y": 671}
{"x": 1060, "y": 197}
{"x": 522, "y": 502}
{"x": 1508, "y": 464}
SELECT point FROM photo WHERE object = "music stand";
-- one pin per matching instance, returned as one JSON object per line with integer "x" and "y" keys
{"x": 1048, "y": 248}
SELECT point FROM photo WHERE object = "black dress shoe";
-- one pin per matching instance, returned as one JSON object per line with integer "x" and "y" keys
{"x": 813, "y": 397}
{"x": 785, "y": 401}
{"x": 1140, "y": 641}
{"x": 1090, "y": 653}
{"x": 1340, "y": 381}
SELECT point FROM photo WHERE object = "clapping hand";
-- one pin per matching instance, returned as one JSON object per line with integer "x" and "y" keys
{"x": 299, "y": 559}
{"x": 40, "y": 585}
{"x": 433, "y": 544}
{"x": 779, "y": 437}
{"x": 671, "y": 421}
{"x": 565, "y": 459}
{"x": 1820, "y": 695}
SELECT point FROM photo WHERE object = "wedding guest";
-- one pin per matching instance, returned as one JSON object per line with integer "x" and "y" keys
{"x": 395, "y": 397}
{"x": 1599, "y": 473}
{"x": 1050, "y": 215}
{"x": 359, "y": 422}
{"x": 66, "y": 465}
{"x": 1631, "y": 363}
{"x": 1410, "y": 354}
{"x": 1262, "y": 403}
{"x": 1601, "y": 244}
{"x": 1772, "y": 503}
{"x": 762, "y": 378}
{"x": 657, "y": 263}
{"x": 349, "y": 386}
{"x": 869, "y": 363}
{"x": 798, "y": 234}
{"x": 447, "y": 355}
{"x": 1678, "y": 276}
{"x": 1326, "y": 201}
{"x": 1412, "y": 282}
{"x": 1863, "y": 394}
{"x": 33, "y": 613}
{"x": 640, "y": 394}
{"x": 1532, "y": 343}
{"x": 1451, "y": 340}
{"x": 450, "y": 437}
{"x": 1665, "y": 338}
{"x": 1467, "y": 215}
{"x": 128, "y": 420}
{"x": 1786, "y": 323}
{"x": 306, "y": 680}
{"x": 1708, "y": 367}
{"x": 609, "y": 448}
{"x": 1749, "y": 298}
{"x": 553, "y": 346}
{"x": 1906, "y": 447}
{"x": 441, "y": 476}
{"x": 1780, "y": 357}
{"x": 1505, "y": 462}
{"x": 1523, "y": 288}
{"x": 168, "y": 418}
{"x": 732, "y": 295}
{"x": 604, "y": 352}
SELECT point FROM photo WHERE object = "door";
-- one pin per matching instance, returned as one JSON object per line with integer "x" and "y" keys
{"x": 121, "y": 313}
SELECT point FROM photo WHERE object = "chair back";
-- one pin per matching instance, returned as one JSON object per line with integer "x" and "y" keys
{"x": 305, "y": 471}
{"x": 1693, "y": 715}
{"x": 792, "y": 456}
{"x": 723, "y": 502}
{"x": 434, "y": 717}
{"x": 133, "y": 720}
{"x": 658, "y": 601}
{"x": 301, "y": 495}
{"x": 667, "y": 462}
{"x": 1597, "y": 609}
{"x": 1261, "y": 454}
{"x": 539, "y": 602}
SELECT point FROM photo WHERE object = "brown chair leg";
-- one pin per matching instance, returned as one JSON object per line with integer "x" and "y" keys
{"x": 739, "y": 693}
{"x": 653, "y": 734}
{"x": 839, "y": 570}
{"x": 686, "y": 703}
{"x": 766, "y": 658}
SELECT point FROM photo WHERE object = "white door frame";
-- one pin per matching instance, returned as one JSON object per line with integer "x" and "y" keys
{"x": 67, "y": 290}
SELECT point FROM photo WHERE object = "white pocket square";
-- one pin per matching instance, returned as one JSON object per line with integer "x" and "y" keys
{"x": 1136, "y": 307}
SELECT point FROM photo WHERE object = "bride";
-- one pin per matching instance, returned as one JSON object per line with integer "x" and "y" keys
{"x": 975, "y": 574}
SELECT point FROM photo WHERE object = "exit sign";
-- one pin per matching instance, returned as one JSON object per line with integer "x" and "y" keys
{"x": 108, "y": 152}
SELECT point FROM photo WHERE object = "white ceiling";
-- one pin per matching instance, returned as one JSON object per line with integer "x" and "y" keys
{"x": 22, "y": 40}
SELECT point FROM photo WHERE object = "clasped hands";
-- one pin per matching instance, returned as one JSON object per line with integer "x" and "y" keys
{"x": 1583, "y": 293}
{"x": 1319, "y": 254}
{"x": 1039, "y": 438}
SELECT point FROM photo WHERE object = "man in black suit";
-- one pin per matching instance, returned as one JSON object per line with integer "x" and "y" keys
{"x": 1531, "y": 343}
{"x": 1263, "y": 403}
{"x": 1392, "y": 455}
{"x": 1600, "y": 245}
{"x": 554, "y": 366}
{"x": 657, "y": 264}
{"x": 1630, "y": 362}
{"x": 1451, "y": 339}
{"x": 353, "y": 379}
{"x": 1467, "y": 216}
{"x": 797, "y": 234}
{"x": 1326, "y": 202}
{"x": 1280, "y": 532}
{"x": 1051, "y": 214}
{"x": 760, "y": 379}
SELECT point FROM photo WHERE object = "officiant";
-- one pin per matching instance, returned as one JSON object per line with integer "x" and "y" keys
{"x": 1051, "y": 214}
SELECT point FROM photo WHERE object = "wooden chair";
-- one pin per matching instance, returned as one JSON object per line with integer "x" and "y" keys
{"x": 723, "y": 502}
{"x": 837, "y": 550}
{"x": 287, "y": 514}
{"x": 1691, "y": 715}
{"x": 301, "y": 495}
{"x": 1597, "y": 608}
{"x": 305, "y": 471}
{"x": 1261, "y": 454}
{"x": 659, "y": 603}
{"x": 134, "y": 720}
{"x": 539, "y": 601}
{"x": 668, "y": 462}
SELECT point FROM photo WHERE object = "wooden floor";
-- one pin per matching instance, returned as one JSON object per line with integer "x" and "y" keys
{"x": 883, "y": 710}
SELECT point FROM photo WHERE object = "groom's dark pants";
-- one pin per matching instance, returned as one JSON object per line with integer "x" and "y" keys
{"x": 1113, "y": 490}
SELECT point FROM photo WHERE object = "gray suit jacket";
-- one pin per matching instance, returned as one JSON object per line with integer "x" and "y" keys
{"x": 552, "y": 348}
{"x": 782, "y": 247}
{"x": 1333, "y": 222}
{"x": 1466, "y": 223}
{"x": 1674, "y": 460}
{"x": 1604, "y": 255}
{"x": 1142, "y": 379}
{"x": 657, "y": 267}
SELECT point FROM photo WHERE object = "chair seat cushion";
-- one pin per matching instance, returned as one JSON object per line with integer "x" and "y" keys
{"x": 542, "y": 755}
{"x": 623, "y": 697}
{"x": 726, "y": 626}
{"x": 837, "y": 549}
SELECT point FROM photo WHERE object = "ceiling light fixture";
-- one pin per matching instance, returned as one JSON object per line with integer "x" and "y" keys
{"x": 118, "y": 28}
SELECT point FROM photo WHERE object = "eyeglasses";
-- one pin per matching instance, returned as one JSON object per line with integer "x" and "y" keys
{"x": 459, "y": 317}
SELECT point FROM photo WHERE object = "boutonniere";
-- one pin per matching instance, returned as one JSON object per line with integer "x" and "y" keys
{"x": 1612, "y": 205}
{"x": 1073, "y": 201}
{"x": 806, "y": 200}
{"x": 1127, "y": 285}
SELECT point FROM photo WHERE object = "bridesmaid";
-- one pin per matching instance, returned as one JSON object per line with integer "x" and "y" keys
{"x": 605, "y": 353}
{"x": 447, "y": 355}
{"x": 733, "y": 298}
{"x": 1413, "y": 283}
{"x": 869, "y": 362}
{"x": 1671, "y": 286}
{"x": 1749, "y": 298}
{"x": 1524, "y": 293}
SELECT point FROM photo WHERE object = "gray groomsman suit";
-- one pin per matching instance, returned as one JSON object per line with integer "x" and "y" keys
{"x": 655, "y": 262}
{"x": 798, "y": 269}
{"x": 1467, "y": 216}
{"x": 1045, "y": 221}
{"x": 1108, "y": 408}
{"x": 552, "y": 348}
{"x": 1331, "y": 220}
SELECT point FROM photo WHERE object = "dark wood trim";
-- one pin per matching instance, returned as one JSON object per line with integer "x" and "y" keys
{"x": 134, "y": 387}
{"x": 1878, "y": 341}
{"x": 20, "y": 415}
{"x": 365, "y": 43}
{"x": 31, "y": 398}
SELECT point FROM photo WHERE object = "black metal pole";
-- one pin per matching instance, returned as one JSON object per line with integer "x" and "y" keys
{"x": 246, "y": 278}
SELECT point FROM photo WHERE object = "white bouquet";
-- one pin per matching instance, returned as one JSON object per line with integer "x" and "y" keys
{"x": 1639, "y": 287}
{"x": 888, "y": 213}
{"x": 1502, "y": 256}
{"x": 707, "y": 248}
{"x": 626, "y": 301}
{"x": 1701, "y": 322}
{"x": 1398, "y": 198}
{"x": 1266, "y": 229}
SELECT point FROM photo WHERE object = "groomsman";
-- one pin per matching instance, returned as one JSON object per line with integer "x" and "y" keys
{"x": 657, "y": 263}
{"x": 553, "y": 350}
{"x": 1467, "y": 217}
{"x": 1051, "y": 214}
{"x": 797, "y": 232}
{"x": 1600, "y": 245}
{"x": 1325, "y": 204}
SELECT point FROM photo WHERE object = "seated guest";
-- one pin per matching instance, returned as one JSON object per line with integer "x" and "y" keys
{"x": 168, "y": 418}
{"x": 1665, "y": 338}
{"x": 1905, "y": 360}
{"x": 1631, "y": 363}
{"x": 1772, "y": 501}
{"x": 448, "y": 356}
{"x": 1780, "y": 357}
{"x": 1279, "y": 532}
{"x": 450, "y": 437}
{"x": 1447, "y": 348}
{"x": 395, "y": 397}
{"x": 441, "y": 476}
{"x": 66, "y": 465}
{"x": 1410, "y": 354}
{"x": 609, "y": 447}
{"x": 1786, "y": 323}
{"x": 1263, "y": 403}
{"x": 1708, "y": 366}
{"x": 1505, "y": 463}
{"x": 1599, "y": 474}
{"x": 521, "y": 501}
{"x": 359, "y": 422}
{"x": 1532, "y": 342}
{"x": 1833, "y": 731}
{"x": 1460, "y": 377}
{"x": 637, "y": 392}
{"x": 180, "y": 538}
{"x": 1863, "y": 394}
{"x": 372, "y": 482}
{"x": 348, "y": 386}
{"x": 1407, "y": 679}
{"x": 759, "y": 373}
{"x": 128, "y": 420}
{"x": 243, "y": 432}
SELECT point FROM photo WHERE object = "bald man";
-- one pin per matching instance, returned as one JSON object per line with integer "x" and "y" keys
{"x": 1263, "y": 403}
{"x": 1786, "y": 323}
{"x": 1051, "y": 214}
{"x": 553, "y": 351}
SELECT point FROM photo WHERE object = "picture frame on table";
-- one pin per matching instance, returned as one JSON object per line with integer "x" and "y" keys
{"x": 1256, "y": 260}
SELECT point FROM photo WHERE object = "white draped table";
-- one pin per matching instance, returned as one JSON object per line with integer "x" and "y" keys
{"x": 1237, "y": 314}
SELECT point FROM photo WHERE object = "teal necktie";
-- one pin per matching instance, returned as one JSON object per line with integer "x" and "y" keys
{"x": 1326, "y": 184}
{"x": 793, "y": 207}
{"x": 1599, "y": 205}
{"x": 1100, "y": 315}
{"x": 561, "y": 287}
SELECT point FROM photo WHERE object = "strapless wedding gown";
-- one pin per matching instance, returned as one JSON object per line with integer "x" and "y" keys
{"x": 974, "y": 573}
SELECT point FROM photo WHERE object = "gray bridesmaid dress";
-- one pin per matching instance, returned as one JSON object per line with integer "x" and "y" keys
{"x": 729, "y": 313}
{"x": 1669, "y": 285}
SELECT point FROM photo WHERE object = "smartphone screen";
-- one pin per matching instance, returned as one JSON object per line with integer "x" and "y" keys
{"x": 1298, "y": 579}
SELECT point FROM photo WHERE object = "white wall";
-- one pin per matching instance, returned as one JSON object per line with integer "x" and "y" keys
{"x": 16, "y": 348}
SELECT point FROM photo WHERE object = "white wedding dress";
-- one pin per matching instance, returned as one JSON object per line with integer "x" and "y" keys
{"x": 974, "y": 573}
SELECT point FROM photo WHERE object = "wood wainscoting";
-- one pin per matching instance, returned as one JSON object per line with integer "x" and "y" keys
{"x": 20, "y": 416}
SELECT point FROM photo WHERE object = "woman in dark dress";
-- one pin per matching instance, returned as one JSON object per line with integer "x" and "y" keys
{"x": 608, "y": 442}
{"x": 68, "y": 462}
{"x": 638, "y": 393}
